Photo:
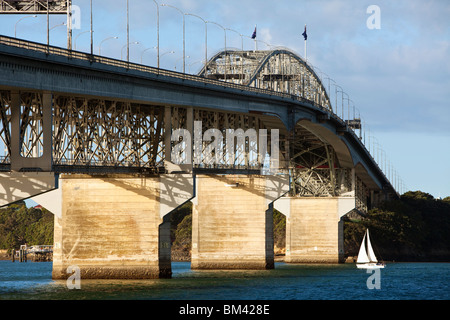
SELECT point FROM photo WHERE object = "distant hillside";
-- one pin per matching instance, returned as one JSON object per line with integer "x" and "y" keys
{"x": 21, "y": 225}
{"x": 414, "y": 228}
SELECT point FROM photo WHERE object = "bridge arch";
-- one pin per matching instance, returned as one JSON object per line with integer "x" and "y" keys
{"x": 279, "y": 70}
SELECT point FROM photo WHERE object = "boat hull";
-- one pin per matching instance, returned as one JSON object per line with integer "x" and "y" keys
{"x": 369, "y": 266}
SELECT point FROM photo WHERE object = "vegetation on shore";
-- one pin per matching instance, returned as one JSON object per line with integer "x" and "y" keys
{"x": 21, "y": 225}
{"x": 415, "y": 227}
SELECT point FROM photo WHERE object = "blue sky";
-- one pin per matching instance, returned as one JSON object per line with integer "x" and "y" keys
{"x": 397, "y": 76}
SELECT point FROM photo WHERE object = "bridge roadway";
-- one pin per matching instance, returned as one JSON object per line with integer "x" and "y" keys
{"x": 113, "y": 221}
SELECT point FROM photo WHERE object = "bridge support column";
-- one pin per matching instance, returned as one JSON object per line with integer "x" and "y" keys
{"x": 117, "y": 227}
{"x": 232, "y": 224}
{"x": 314, "y": 228}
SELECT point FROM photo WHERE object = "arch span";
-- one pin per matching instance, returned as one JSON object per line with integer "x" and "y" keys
{"x": 280, "y": 70}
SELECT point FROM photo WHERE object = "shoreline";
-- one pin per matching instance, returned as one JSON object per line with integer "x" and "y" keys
{"x": 185, "y": 257}
{"x": 277, "y": 259}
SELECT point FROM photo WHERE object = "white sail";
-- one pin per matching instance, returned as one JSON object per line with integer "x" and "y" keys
{"x": 362, "y": 255}
{"x": 370, "y": 253}
{"x": 366, "y": 256}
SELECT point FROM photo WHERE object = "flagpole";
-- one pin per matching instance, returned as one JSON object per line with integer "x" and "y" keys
{"x": 256, "y": 45}
{"x": 306, "y": 56}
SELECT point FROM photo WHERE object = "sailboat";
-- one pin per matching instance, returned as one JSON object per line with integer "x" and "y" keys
{"x": 366, "y": 256}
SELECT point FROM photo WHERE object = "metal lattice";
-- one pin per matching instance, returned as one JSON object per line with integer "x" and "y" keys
{"x": 277, "y": 70}
{"x": 34, "y": 6}
{"x": 91, "y": 132}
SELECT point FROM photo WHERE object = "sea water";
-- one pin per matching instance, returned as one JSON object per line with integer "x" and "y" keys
{"x": 398, "y": 281}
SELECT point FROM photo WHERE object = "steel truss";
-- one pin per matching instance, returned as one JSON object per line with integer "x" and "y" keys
{"x": 100, "y": 135}
{"x": 87, "y": 133}
{"x": 276, "y": 70}
{"x": 216, "y": 151}
{"x": 315, "y": 170}
{"x": 92, "y": 132}
{"x": 34, "y": 6}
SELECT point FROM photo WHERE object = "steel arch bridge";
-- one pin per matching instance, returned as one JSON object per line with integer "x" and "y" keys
{"x": 279, "y": 70}
{"x": 100, "y": 123}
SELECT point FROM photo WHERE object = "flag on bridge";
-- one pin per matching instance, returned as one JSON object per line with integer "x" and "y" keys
{"x": 254, "y": 34}
{"x": 304, "y": 33}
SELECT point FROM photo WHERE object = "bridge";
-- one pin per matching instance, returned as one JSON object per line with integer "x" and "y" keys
{"x": 113, "y": 147}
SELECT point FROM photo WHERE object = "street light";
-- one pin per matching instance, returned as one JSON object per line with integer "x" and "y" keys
{"x": 128, "y": 48}
{"x": 329, "y": 91}
{"x": 242, "y": 50}
{"x": 58, "y": 25}
{"x": 342, "y": 95}
{"x": 206, "y": 38}
{"x": 142, "y": 54}
{"x": 48, "y": 31}
{"x": 168, "y": 52}
{"x": 177, "y": 62}
{"x": 184, "y": 48}
{"x": 225, "y": 34}
{"x": 157, "y": 29}
{"x": 128, "y": 35}
{"x": 15, "y": 26}
{"x": 100, "y": 45}
{"x": 75, "y": 41}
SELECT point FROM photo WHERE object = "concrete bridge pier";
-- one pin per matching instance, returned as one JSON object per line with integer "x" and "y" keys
{"x": 232, "y": 224}
{"x": 314, "y": 228}
{"x": 115, "y": 226}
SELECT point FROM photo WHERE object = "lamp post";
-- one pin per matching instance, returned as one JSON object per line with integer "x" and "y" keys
{"x": 75, "y": 41}
{"x": 128, "y": 50}
{"x": 225, "y": 37}
{"x": 184, "y": 48}
{"x": 242, "y": 52}
{"x": 177, "y": 62}
{"x": 206, "y": 38}
{"x": 167, "y": 52}
{"x": 100, "y": 45}
{"x": 157, "y": 31}
{"x": 128, "y": 34}
{"x": 48, "y": 37}
{"x": 342, "y": 95}
{"x": 329, "y": 89}
{"x": 15, "y": 26}
{"x": 142, "y": 54}
{"x": 92, "y": 33}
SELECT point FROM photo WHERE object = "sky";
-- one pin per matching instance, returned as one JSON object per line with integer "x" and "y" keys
{"x": 393, "y": 63}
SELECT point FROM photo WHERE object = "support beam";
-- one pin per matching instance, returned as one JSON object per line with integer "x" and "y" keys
{"x": 117, "y": 226}
{"x": 314, "y": 228}
{"x": 232, "y": 222}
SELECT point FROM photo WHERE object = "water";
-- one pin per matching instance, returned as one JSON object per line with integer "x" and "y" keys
{"x": 398, "y": 281}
